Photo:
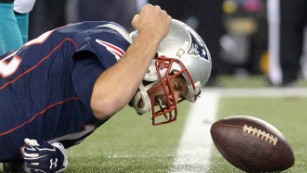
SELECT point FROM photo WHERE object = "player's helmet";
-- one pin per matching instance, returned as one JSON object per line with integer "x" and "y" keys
{"x": 182, "y": 52}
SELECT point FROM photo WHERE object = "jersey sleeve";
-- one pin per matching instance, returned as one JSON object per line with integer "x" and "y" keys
{"x": 107, "y": 41}
{"x": 99, "y": 48}
{"x": 85, "y": 73}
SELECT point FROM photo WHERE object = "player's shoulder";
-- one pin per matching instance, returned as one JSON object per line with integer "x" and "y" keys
{"x": 118, "y": 28}
{"x": 96, "y": 29}
{"x": 104, "y": 39}
{"x": 113, "y": 28}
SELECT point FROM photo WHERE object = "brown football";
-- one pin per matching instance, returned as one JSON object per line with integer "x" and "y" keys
{"x": 252, "y": 144}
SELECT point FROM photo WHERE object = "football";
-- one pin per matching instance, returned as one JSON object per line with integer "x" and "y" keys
{"x": 252, "y": 144}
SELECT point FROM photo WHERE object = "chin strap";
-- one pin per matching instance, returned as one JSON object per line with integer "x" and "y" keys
{"x": 142, "y": 96}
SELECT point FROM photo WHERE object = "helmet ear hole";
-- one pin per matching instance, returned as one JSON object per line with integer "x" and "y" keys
{"x": 151, "y": 74}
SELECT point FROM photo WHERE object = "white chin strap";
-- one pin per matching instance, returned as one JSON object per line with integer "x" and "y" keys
{"x": 142, "y": 95}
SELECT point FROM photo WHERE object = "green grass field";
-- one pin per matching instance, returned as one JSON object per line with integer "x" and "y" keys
{"x": 129, "y": 143}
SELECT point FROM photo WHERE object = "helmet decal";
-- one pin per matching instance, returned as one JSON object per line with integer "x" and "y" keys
{"x": 198, "y": 49}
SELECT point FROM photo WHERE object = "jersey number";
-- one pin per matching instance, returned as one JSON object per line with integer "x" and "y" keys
{"x": 9, "y": 65}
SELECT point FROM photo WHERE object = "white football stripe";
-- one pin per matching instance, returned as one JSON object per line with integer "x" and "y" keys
{"x": 194, "y": 151}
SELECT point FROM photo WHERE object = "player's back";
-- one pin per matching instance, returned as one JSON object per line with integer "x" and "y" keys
{"x": 36, "y": 88}
{"x": 40, "y": 69}
{"x": 45, "y": 63}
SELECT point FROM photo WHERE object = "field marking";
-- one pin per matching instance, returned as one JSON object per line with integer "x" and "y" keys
{"x": 194, "y": 151}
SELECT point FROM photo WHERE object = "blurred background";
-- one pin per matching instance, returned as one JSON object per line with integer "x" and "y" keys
{"x": 238, "y": 33}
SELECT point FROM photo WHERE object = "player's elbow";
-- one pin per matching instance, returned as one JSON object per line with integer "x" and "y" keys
{"x": 103, "y": 108}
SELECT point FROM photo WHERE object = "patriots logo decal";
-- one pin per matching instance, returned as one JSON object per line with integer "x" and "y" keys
{"x": 198, "y": 49}
{"x": 115, "y": 50}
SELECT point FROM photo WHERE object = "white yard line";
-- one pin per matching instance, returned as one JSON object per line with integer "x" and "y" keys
{"x": 193, "y": 154}
{"x": 194, "y": 151}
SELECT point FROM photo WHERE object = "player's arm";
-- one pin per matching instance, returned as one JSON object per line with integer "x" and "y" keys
{"x": 116, "y": 86}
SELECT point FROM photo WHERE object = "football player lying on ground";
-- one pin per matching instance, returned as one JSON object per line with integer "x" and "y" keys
{"x": 58, "y": 88}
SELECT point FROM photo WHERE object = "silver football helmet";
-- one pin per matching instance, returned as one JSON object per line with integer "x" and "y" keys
{"x": 182, "y": 52}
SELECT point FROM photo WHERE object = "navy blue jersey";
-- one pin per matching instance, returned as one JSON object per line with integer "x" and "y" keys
{"x": 46, "y": 85}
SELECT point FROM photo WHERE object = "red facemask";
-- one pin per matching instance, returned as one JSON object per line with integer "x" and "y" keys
{"x": 165, "y": 110}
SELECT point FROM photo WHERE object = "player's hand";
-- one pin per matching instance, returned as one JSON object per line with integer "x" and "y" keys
{"x": 152, "y": 21}
{"x": 44, "y": 157}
